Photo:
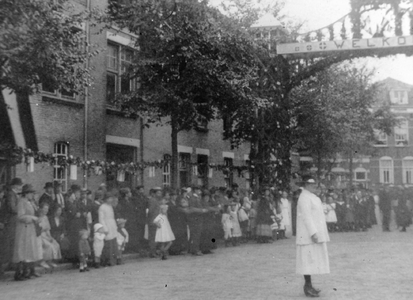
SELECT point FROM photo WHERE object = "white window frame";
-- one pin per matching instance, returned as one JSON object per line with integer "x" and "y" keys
{"x": 60, "y": 150}
{"x": 386, "y": 170}
{"x": 166, "y": 175}
{"x": 401, "y": 133}
{"x": 399, "y": 97}
{"x": 381, "y": 138}
{"x": 407, "y": 167}
{"x": 118, "y": 68}
{"x": 360, "y": 171}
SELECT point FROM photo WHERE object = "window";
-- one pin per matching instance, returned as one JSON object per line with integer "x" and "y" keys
{"x": 119, "y": 65}
{"x": 228, "y": 174}
{"x": 184, "y": 169}
{"x": 61, "y": 151}
{"x": 47, "y": 89}
{"x": 167, "y": 174}
{"x": 386, "y": 170}
{"x": 407, "y": 166}
{"x": 399, "y": 97}
{"x": 381, "y": 138}
{"x": 203, "y": 169}
{"x": 401, "y": 132}
{"x": 360, "y": 174}
{"x": 201, "y": 123}
{"x": 120, "y": 154}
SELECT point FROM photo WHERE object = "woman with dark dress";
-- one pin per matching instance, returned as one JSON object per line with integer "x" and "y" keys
{"x": 264, "y": 220}
{"x": 341, "y": 208}
{"x": 127, "y": 210}
{"x": 208, "y": 234}
{"x": 403, "y": 215}
{"x": 58, "y": 230}
{"x": 179, "y": 224}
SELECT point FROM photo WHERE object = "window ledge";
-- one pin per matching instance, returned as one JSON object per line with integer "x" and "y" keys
{"x": 110, "y": 110}
{"x": 63, "y": 101}
{"x": 380, "y": 146}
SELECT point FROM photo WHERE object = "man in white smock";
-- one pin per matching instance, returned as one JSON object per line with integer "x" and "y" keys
{"x": 312, "y": 236}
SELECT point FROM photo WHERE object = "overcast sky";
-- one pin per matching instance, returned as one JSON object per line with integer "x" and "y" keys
{"x": 320, "y": 13}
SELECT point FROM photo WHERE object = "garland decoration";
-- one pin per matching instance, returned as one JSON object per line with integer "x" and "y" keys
{"x": 17, "y": 155}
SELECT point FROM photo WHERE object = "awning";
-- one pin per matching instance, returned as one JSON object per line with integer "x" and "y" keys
{"x": 17, "y": 120}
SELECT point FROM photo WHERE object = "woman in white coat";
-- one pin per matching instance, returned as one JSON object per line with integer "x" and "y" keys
{"x": 312, "y": 237}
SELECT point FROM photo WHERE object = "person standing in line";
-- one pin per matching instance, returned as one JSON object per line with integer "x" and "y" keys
{"x": 385, "y": 207}
{"x": 47, "y": 196}
{"x": 312, "y": 237}
{"x": 154, "y": 203}
{"x": 286, "y": 214}
{"x": 195, "y": 220}
{"x": 10, "y": 208}
{"x": 26, "y": 247}
{"x": 107, "y": 219}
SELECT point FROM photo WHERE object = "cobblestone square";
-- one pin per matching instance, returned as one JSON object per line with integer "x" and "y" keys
{"x": 365, "y": 265}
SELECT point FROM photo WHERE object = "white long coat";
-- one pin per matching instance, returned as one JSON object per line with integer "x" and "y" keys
{"x": 310, "y": 219}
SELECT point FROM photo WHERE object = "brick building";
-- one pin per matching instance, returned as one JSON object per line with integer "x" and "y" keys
{"x": 391, "y": 161}
{"x": 88, "y": 127}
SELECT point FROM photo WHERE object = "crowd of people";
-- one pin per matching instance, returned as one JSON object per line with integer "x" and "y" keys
{"x": 94, "y": 228}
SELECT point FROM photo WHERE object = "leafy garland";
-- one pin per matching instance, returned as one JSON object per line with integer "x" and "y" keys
{"x": 17, "y": 155}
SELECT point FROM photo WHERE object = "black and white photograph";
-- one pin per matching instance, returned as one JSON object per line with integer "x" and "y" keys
{"x": 206, "y": 149}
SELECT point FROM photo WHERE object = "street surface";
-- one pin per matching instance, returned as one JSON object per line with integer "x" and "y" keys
{"x": 364, "y": 265}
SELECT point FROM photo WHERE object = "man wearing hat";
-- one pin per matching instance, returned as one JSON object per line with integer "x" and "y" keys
{"x": 59, "y": 197}
{"x": 195, "y": 220}
{"x": 47, "y": 196}
{"x": 12, "y": 197}
{"x": 312, "y": 236}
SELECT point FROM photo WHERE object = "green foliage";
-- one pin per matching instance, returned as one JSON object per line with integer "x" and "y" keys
{"x": 40, "y": 41}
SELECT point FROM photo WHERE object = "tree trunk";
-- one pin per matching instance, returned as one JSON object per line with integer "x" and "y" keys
{"x": 174, "y": 156}
{"x": 350, "y": 168}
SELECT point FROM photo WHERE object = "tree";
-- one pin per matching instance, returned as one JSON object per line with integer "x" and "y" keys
{"x": 193, "y": 63}
{"x": 335, "y": 115}
{"x": 40, "y": 42}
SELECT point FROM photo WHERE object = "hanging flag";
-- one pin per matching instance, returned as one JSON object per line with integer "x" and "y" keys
{"x": 210, "y": 173}
{"x": 30, "y": 165}
{"x": 73, "y": 172}
{"x": 120, "y": 176}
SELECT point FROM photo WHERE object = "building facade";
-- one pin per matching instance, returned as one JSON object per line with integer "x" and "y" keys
{"x": 90, "y": 128}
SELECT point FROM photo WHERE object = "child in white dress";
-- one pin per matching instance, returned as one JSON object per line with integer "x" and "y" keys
{"x": 164, "y": 234}
{"x": 236, "y": 228}
{"x": 122, "y": 239}
{"x": 227, "y": 224}
{"x": 331, "y": 217}
{"x": 98, "y": 242}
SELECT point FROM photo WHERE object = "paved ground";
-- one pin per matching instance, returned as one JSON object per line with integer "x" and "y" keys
{"x": 368, "y": 265}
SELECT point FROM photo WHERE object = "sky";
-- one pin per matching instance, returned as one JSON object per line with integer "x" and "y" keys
{"x": 320, "y": 13}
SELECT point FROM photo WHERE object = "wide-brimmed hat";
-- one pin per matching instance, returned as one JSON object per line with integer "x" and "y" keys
{"x": 48, "y": 185}
{"x": 16, "y": 181}
{"x": 157, "y": 188}
{"x": 307, "y": 180}
{"x": 27, "y": 188}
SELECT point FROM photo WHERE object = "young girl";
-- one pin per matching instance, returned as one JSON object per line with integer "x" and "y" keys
{"x": 122, "y": 239}
{"x": 227, "y": 224}
{"x": 164, "y": 234}
{"x": 331, "y": 217}
{"x": 236, "y": 229}
{"x": 252, "y": 220}
{"x": 98, "y": 242}
{"x": 84, "y": 250}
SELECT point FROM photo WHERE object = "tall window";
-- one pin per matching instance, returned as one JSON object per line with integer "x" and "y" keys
{"x": 203, "y": 169}
{"x": 386, "y": 170}
{"x": 61, "y": 151}
{"x": 167, "y": 175}
{"x": 407, "y": 166}
{"x": 184, "y": 169}
{"x": 401, "y": 132}
{"x": 381, "y": 138}
{"x": 228, "y": 175}
{"x": 120, "y": 154}
{"x": 118, "y": 78}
